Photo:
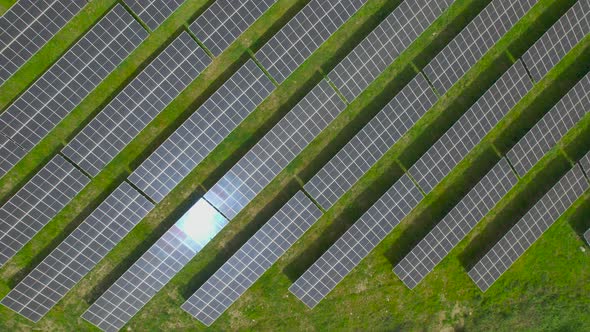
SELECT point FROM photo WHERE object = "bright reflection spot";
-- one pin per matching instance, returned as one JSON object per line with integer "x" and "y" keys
{"x": 201, "y": 223}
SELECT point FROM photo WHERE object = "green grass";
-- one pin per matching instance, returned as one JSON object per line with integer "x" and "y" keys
{"x": 5, "y": 4}
{"x": 53, "y": 50}
{"x": 371, "y": 297}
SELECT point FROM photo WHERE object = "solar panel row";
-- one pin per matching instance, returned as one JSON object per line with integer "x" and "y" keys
{"x": 433, "y": 248}
{"x": 558, "y": 40}
{"x": 36, "y": 203}
{"x": 371, "y": 143}
{"x": 27, "y": 26}
{"x": 585, "y": 163}
{"x": 11, "y": 154}
{"x": 468, "y": 131}
{"x": 357, "y": 242}
{"x": 153, "y": 12}
{"x": 67, "y": 264}
{"x": 155, "y": 268}
{"x": 378, "y": 50}
{"x": 474, "y": 41}
{"x": 70, "y": 79}
{"x": 138, "y": 104}
{"x": 202, "y": 132}
{"x": 275, "y": 150}
{"x": 551, "y": 128}
{"x": 222, "y": 23}
{"x": 528, "y": 229}
{"x": 297, "y": 40}
{"x": 256, "y": 256}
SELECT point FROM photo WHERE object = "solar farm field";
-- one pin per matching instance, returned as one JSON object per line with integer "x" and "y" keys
{"x": 287, "y": 165}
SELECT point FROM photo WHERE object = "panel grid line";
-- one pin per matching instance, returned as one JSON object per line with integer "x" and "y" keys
{"x": 551, "y": 128}
{"x": 27, "y": 26}
{"x": 256, "y": 256}
{"x": 304, "y": 34}
{"x": 154, "y": 269}
{"x": 75, "y": 256}
{"x": 385, "y": 43}
{"x": 137, "y": 104}
{"x": 471, "y": 128}
{"x": 66, "y": 83}
{"x": 528, "y": 229}
{"x": 474, "y": 41}
{"x": 434, "y": 247}
{"x": 556, "y": 42}
{"x": 36, "y": 203}
{"x": 202, "y": 131}
{"x": 356, "y": 243}
{"x": 275, "y": 150}
{"x": 371, "y": 143}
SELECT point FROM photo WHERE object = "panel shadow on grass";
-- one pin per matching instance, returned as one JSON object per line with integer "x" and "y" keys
{"x": 513, "y": 206}
{"x": 238, "y": 240}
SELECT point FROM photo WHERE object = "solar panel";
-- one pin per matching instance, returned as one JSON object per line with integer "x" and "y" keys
{"x": 357, "y": 242}
{"x": 27, "y": 26}
{"x": 67, "y": 264}
{"x": 256, "y": 256}
{"x": 153, "y": 12}
{"x": 222, "y": 23}
{"x": 558, "y": 40}
{"x": 384, "y": 44}
{"x": 587, "y": 236}
{"x": 455, "y": 225}
{"x": 371, "y": 143}
{"x": 202, "y": 132}
{"x": 474, "y": 41}
{"x": 155, "y": 267}
{"x": 36, "y": 203}
{"x": 585, "y": 163}
{"x": 304, "y": 34}
{"x": 275, "y": 150}
{"x": 39, "y": 109}
{"x": 468, "y": 131}
{"x": 11, "y": 153}
{"x": 551, "y": 128}
{"x": 528, "y": 229}
{"x": 138, "y": 104}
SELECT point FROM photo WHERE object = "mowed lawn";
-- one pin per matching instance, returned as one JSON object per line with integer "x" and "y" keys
{"x": 547, "y": 289}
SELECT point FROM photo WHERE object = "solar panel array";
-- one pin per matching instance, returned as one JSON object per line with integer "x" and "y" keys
{"x": 528, "y": 229}
{"x": 27, "y": 26}
{"x": 41, "y": 289}
{"x": 455, "y": 225}
{"x": 36, "y": 203}
{"x": 585, "y": 163}
{"x": 304, "y": 34}
{"x": 468, "y": 131}
{"x": 357, "y": 242}
{"x": 202, "y": 132}
{"x": 558, "y": 40}
{"x": 11, "y": 154}
{"x": 256, "y": 256}
{"x": 153, "y": 12}
{"x": 551, "y": 128}
{"x": 138, "y": 104}
{"x": 222, "y": 23}
{"x": 275, "y": 150}
{"x": 371, "y": 143}
{"x": 474, "y": 41}
{"x": 155, "y": 268}
{"x": 384, "y": 44}
{"x": 70, "y": 79}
